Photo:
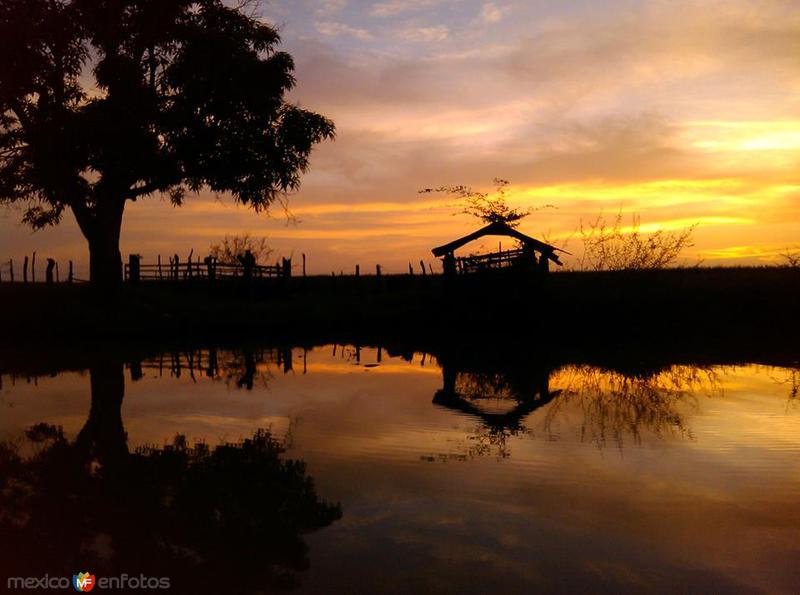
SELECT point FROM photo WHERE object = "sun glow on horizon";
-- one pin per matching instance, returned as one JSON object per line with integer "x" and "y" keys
{"x": 657, "y": 109}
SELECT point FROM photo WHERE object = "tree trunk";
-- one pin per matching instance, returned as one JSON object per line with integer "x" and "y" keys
{"x": 102, "y": 231}
{"x": 105, "y": 260}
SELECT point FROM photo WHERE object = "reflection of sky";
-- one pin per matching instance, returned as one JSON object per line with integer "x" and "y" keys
{"x": 708, "y": 507}
{"x": 682, "y": 111}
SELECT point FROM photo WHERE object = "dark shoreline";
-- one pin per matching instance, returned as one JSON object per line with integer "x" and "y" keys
{"x": 637, "y": 320}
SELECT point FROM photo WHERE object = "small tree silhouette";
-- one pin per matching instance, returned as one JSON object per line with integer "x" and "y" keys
{"x": 233, "y": 247}
{"x": 487, "y": 206}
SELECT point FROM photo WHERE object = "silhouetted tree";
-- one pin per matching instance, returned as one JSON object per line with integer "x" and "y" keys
{"x": 486, "y": 206}
{"x": 106, "y": 101}
{"x": 233, "y": 247}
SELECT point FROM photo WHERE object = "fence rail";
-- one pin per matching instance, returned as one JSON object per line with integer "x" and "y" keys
{"x": 208, "y": 269}
{"x": 173, "y": 269}
{"x": 495, "y": 260}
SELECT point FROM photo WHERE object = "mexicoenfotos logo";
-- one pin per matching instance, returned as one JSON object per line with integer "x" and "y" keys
{"x": 83, "y": 582}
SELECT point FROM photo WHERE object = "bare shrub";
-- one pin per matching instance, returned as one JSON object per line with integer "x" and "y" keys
{"x": 232, "y": 247}
{"x": 610, "y": 247}
{"x": 791, "y": 258}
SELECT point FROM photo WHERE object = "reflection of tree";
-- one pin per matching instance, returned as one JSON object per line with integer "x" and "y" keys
{"x": 200, "y": 515}
{"x": 616, "y": 406}
{"x": 611, "y": 406}
{"x": 791, "y": 378}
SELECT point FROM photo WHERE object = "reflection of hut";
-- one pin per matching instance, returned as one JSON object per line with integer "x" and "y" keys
{"x": 531, "y": 255}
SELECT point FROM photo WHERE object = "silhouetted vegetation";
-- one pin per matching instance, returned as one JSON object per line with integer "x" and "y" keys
{"x": 489, "y": 207}
{"x": 791, "y": 258}
{"x": 613, "y": 247}
{"x": 176, "y": 96}
{"x": 233, "y": 248}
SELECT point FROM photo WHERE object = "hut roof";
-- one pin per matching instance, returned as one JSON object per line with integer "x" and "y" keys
{"x": 500, "y": 229}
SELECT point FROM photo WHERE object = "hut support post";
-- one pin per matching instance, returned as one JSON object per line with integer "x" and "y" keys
{"x": 134, "y": 268}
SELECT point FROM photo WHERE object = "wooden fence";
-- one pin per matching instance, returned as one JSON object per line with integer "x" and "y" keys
{"x": 25, "y": 271}
{"x": 208, "y": 269}
{"x": 495, "y": 260}
{"x": 173, "y": 269}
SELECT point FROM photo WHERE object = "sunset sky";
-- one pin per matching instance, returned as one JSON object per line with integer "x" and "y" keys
{"x": 683, "y": 112}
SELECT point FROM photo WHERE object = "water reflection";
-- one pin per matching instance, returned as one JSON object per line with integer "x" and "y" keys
{"x": 615, "y": 408}
{"x": 191, "y": 512}
{"x": 569, "y": 477}
{"x": 245, "y": 367}
{"x": 619, "y": 408}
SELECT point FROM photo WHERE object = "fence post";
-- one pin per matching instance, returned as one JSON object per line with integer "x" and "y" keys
{"x": 449, "y": 263}
{"x": 11, "y": 269}
{"x": 287, "y": 268}
{"x": 210, "y": 268}
{"x": 304, "y": 264}
{"x": 70, "y": 278}
{"x": 248, "y": 262}
{"x": 48, "y": 272}
{"x": 25, "y": 270}
{"x": 377, "y": 270}
{"x": 188, "y": 273}
{"x": 358, "y": 270}
{"x": 134, "y": 268}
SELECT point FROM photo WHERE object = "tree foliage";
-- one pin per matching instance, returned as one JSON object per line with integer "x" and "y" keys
{"x": 489, "y": 207}
{"x": 612, "y": 246}
{"x": 106, "y": 101}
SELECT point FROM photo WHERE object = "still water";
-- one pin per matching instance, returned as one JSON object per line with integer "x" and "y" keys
{"x": 420, "y": 475}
